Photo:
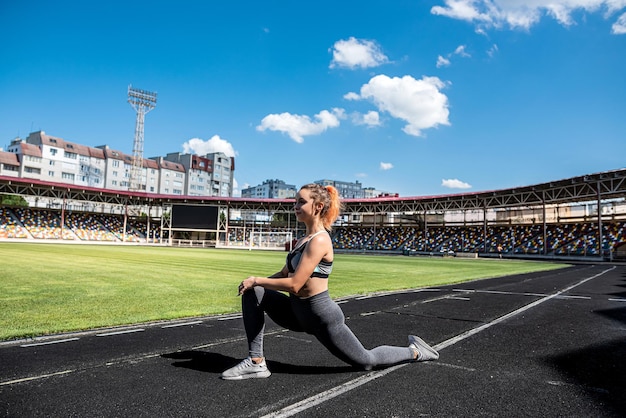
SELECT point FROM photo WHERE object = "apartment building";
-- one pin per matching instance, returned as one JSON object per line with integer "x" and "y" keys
{"x": 270, "y": 189}
{"x": 44, "y": 157}
{"x": 9, "y": 164}
{"x": 208, "y": 175}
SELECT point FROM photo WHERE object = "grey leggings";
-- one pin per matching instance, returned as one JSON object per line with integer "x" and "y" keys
{"x": 319, "y": 316}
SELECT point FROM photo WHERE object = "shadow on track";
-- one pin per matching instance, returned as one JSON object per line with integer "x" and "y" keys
{"x": 216, "y": 363}
{"x": 599, "y": 369}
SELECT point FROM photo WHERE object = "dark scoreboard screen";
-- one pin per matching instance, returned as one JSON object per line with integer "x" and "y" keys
{"x": 194, "y": 217}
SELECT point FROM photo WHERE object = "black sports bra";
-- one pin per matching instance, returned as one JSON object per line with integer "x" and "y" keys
{"x": 322, "y": 270}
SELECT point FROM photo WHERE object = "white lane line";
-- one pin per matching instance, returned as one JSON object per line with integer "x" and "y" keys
{"x": 128, "y": 331}
{"x": 360, "y": 381}
{"x": 500, "y": 292}
{"x": 227, "y": 318}
{"x": 395, "y": 292}
{"x": 26, "y": 379}
{"x": 182, "y": 324}
{"x": 49, "y": 342}
{"x": 617, "y": 300}
{"x": 573, "y": 297}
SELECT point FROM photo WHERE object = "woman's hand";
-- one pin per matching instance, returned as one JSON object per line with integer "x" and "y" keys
{"x": 247, "y": 284}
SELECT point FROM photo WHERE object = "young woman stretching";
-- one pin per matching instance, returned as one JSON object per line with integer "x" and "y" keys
{"x": 308, "y": 307}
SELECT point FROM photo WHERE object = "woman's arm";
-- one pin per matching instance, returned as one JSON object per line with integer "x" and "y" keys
{"x": 315, "y": 250}
{"x": 284, "y": 272}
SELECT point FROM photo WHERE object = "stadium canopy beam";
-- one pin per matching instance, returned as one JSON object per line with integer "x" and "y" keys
{"x": 587, "y": 188}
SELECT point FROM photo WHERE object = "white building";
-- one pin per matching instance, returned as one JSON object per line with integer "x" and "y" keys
{"x": 9, "y": 164}
{"x": 47, "y": 158}
{"x": 270, "y": 189}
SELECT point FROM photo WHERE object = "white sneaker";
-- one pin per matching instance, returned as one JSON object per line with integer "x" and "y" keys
{"x": 247, "y": 369}
{"x": 424, "y": 351}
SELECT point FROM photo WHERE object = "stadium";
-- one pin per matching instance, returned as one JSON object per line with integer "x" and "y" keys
{"x": 576, "y": 218}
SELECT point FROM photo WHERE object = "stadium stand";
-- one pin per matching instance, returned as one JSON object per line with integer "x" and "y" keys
{"x": 45, "y": 224}
{"x": 562, "y": 239}
{"x": 10, "y": 227}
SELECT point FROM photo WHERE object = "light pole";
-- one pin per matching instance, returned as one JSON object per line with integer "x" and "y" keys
{"x": 143, "y": 102}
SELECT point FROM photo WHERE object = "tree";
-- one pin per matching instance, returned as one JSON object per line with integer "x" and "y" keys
{"x": 12, "y": 200}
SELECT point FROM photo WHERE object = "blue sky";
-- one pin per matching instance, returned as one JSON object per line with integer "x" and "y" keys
{"x": 411, "y": 97}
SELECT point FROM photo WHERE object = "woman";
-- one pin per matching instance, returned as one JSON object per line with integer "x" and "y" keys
{"x": 308, "y": 306}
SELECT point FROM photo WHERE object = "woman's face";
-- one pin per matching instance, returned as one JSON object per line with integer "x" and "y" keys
{"x": 305, "y": 206}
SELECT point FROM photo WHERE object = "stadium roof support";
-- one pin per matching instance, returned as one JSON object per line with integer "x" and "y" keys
{"x": 587, "y": 188}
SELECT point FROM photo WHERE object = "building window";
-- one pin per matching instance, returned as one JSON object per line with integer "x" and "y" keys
{"x": 32, "y": 158}
{"x": 32, "y": 170}
{"x": 71, "y": 155}
{"x": 67, "y": 176}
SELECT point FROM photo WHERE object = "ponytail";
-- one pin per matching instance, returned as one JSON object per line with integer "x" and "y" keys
{"x": 334, "y": 208}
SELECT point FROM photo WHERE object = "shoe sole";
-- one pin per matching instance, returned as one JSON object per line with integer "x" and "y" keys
{"x": 256, "y": 375}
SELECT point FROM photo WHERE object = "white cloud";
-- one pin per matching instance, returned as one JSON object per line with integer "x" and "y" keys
{"x": 619, "y": 27}
{"x": 299, "y": 126}
{"x": 361, "y": 175}
{"x": 491, "y": 51}
{"x": 442, "y": 62}
{"x": 215, "y": 144}
{"x": 460, "y": 50}
{"x": 357, "y": 53}
{"x": 455, "y": 184}
{"x": 351, "y": 96}
{"x": 445, "y": 62}
{"x": 386, "y": 166}
{"x": 418, "y": 102}
{"x": 462, "y": 10}
{"x": 371, "y": 118}
{"x": 525, "y": 13}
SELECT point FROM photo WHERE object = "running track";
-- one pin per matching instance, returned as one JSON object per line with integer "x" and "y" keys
{"x": 543, "y": 344}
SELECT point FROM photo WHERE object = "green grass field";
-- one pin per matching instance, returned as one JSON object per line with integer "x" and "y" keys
{"x": 53, "y": 288}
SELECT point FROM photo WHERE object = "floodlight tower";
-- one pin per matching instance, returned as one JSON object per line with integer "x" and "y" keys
{"x": 143, "y": 102}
